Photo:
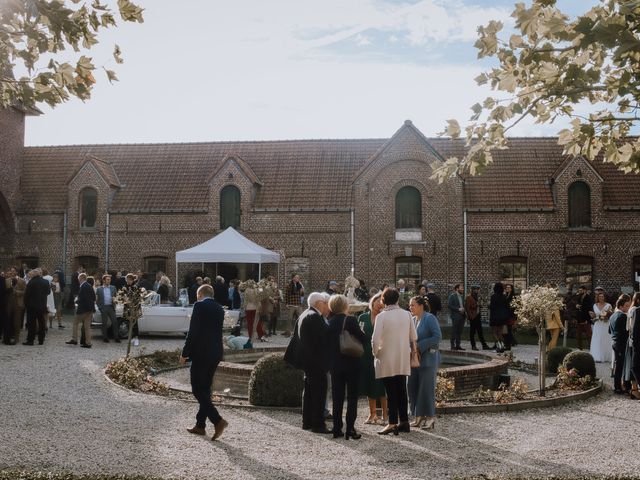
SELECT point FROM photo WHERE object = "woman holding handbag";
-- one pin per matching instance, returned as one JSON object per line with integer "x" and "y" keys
{"x": 422, "y": 382}
{"x": 393, "y": 336}
{"x": 346, "y": 346}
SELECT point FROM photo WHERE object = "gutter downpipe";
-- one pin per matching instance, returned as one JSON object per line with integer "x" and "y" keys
{"x": 106, "y": 244}
{"x": 65, "y": 226}
{"x": 353, "y": 243}
{"x": 465, "y": 261}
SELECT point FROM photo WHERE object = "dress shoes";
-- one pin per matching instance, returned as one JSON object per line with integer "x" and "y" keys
{"x": 337, "y": 434}
{"x": 27, "y": 343}
{"x": 475, "y": 349}
{"x": 117, "y": 340}
{"x": 306, "y": 427}
{"x": 197, "y": 430}
{"x": 486, "y": 347}
{"x": 404, "y": 427}
{"x": 323, "y": 430}
{"x": 353, "y": 435}
{"x": 219, "y": 428}
{"x": 105, "y": 340}
{"x": 84, "y": 345}
{"x": 71, "y": 342}
{"x": 460, "y": 348}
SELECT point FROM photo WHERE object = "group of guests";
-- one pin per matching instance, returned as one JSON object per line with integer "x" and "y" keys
{"x": 390, "y": 336}
{"x": 259, "y": 311}
{"x": 35, "y": 292}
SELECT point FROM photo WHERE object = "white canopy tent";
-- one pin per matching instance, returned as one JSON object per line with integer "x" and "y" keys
{"x": 227, "y": 247}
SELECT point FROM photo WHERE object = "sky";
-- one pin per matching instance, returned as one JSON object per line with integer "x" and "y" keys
{"x": 217, "y": 70}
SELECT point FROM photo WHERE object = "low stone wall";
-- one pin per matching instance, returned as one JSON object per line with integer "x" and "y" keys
{"x": 476, "y": 370}
{"x": 234, "y": 371}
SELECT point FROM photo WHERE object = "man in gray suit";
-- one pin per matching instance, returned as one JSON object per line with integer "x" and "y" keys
{"x": 106, "y": 300}
{"x": 456, "y": 309}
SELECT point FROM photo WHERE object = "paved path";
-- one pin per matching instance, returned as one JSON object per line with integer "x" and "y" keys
{"x": 61, "y": 414}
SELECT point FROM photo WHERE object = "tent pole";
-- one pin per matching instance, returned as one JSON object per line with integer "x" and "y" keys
{"x": 177, "y": 286}
{"x": 259, "y": 270}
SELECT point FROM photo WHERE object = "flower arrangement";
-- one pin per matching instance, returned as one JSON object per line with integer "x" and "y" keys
{"x": 267, "y": 289}
{"x": 135, "y": 373}
{"x": 532, "y": 307}
{"x": 351, "y": 282}
{"x": 131, "y": 297}
{"x": 251, "y": 284}
{"x": 533, "y": 304}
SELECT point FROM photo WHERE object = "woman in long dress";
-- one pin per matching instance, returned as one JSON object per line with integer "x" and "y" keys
{"x": 600, "y": 340}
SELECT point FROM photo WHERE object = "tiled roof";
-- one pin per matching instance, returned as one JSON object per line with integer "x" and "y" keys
{"x": 165, "y": 177}
{"x": 293, "y": 174}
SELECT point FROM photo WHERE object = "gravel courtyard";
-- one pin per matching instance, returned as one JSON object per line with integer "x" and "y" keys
{"x": 60, "y": 413}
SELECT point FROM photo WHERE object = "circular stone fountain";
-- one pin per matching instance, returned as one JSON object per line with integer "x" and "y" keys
{"x": 468, "y": 370}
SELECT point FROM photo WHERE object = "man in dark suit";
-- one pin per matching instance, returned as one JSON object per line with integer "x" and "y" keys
{"x": 456, "y": 309}
{"x": 203, "y": 347}
{"x": 85, "y": 310}
{"x": 106, "y": 300}
{"x": 435, "y": 304}
{"x": 35, "y": 302}
{"x": 314, "y": 357}
{"x": 584, "y": 305}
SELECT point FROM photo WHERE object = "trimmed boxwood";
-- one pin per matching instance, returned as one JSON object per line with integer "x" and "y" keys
{"x": 582, "y": 361}
{"x": 555, "y": 356}
{"x": 274, "y": 383}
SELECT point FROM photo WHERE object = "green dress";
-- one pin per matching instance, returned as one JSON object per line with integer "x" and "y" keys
{"x": 369, "y": 386}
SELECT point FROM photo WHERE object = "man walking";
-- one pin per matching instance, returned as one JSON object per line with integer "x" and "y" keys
{"x": 85, "y": 310}
{"x": 456, "y": 309}
{"x": 35, "y": 301}
{"x": 203, "y": 347}
{"x": 106, "y": 296}
{"x": 472, "y": 309}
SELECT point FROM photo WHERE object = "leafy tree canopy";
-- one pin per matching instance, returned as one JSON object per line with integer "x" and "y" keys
{"x": 549, "y": 66}
{"x": 32, "y": 35}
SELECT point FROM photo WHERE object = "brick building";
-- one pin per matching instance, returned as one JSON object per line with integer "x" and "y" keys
{"x": 325, "y": 205}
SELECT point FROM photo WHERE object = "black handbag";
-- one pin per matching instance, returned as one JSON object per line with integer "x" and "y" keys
{"x": 349, "y": 345}
{"x": 293, "y": 353}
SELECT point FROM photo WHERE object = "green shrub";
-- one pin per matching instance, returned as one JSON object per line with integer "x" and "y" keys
{"x": 274, "y": 383}
{"x": 555, "y": 356}
{"x": 582, "y": 362}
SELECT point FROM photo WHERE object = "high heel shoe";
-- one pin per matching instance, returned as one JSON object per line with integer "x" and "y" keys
{"x": 389, "y": 429}
{"x": 430, "y": 424}
{"x": 418, "y": 422}
{"x": 352, "y": 434}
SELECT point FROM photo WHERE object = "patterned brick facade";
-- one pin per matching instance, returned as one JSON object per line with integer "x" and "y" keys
{"x": 299, "y": 198}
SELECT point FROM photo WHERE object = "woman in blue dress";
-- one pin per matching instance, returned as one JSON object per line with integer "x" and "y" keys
{"x": 422, "y": 382}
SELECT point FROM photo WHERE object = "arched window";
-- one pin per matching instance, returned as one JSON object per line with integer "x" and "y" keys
{"x": 408, "y": 208}
{"x": 230, "y": 207}
{"x": 579, "y": 205}
{"x": 88, "y": 208}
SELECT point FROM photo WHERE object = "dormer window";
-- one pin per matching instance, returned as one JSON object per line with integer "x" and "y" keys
{"x": 230, "y": 207}
{"x": 579, "y": 202}
{"x": 88, "y": 208}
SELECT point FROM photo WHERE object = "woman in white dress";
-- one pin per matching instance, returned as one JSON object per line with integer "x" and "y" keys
{"x": 600, "y": 340}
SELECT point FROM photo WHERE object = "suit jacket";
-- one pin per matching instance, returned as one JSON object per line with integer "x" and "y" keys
{"x": 86, "y": 299}
{"x": 204, "y": 339}
{"x": 100, "y": 296}
{"x": 454, "y": 303}
{"x": 618, "y": 331}
{"x": 36, "y": 293}
{"x": 314, "y": 342}
{"x": 338, "y": 361}
{"x": 472, "y": 307}
{"x": 429, "y": 336}
{"x": 585, "y": 305}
